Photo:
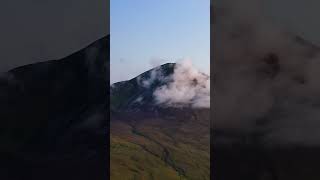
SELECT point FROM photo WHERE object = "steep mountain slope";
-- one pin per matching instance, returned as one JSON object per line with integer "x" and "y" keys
{"x": 138, "y": 92}
{"x": 54, "y": 119}
{"x": 150, "y": 140}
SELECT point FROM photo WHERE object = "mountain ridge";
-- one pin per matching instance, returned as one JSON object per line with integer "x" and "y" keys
{"x": 140, "y": 91}
{"x": 54, "y": 116}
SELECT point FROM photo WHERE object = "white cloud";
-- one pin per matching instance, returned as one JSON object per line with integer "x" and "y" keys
{"x": 188, "y": 86}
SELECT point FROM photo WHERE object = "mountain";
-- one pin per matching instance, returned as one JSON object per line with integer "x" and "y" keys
{"x": 266, "y": 100}
{"x": 138, "y": 92}
{"x": 272, "y": 132}
{"x": 282, "y": 142}
{"x": 152, "y": 89}
{"x": 53, "y": 117}
{"x": 152, "y": 140}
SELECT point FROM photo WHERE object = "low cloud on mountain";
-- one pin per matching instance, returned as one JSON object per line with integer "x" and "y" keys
{"x": 155, "y": 75}
{"x": 187, "y": 86}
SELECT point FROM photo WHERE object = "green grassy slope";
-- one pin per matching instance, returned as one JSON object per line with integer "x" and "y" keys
{"x": 173, "y": 147}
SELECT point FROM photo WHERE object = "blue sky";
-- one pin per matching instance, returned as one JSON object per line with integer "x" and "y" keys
{"x": 149, "y": 32}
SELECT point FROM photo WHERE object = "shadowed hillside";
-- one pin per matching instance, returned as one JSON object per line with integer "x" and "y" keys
{"x": 53, "y": 117}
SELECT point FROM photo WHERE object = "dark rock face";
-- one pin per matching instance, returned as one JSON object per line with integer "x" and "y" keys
{"x": 125, "y": 95}
{"x": 54, "y": 117}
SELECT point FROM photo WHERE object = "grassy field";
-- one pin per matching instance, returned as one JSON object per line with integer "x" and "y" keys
{"x": 175, "y": 147}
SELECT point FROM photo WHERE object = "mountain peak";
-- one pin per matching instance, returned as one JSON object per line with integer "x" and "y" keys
{"x": 50, "y": 92}
{"x": 168, "y": 85}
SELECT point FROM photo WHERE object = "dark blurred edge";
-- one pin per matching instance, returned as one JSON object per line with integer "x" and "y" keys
{"x": 14, "y": 166}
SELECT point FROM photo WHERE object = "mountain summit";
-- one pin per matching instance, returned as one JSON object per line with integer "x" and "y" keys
{"x": 138, "y": 92}
{"x": 172, "y": 85}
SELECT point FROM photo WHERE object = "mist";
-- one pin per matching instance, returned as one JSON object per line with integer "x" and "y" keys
{"x": 187, "y": 87}
{"x": 263, "y": 72}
